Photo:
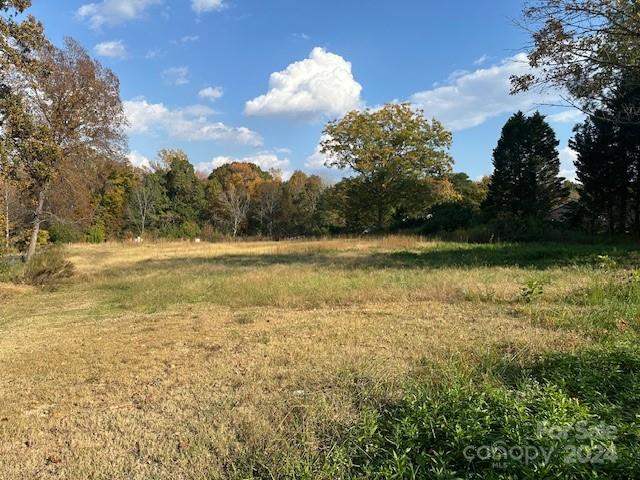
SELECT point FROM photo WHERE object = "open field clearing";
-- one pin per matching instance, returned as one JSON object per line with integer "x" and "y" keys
{"x": 268, "y": 360}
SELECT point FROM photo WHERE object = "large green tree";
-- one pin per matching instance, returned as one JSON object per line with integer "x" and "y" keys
{"x": 390, "y": 149}
{"x": 184, "y": 189}
{"x": 525, "y": 181}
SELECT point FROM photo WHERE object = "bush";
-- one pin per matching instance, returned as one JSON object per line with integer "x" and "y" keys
{"x": 189, "y": 230}
{"x": 96, "y": 234}
{"x": 449, "y": 216}
{"x": 63, "y": 233}
{"x": 47, "y": 268}
{"x": 6, "y": 270}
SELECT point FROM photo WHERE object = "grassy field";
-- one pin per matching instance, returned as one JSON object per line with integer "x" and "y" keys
{"x": 371, "y": 358}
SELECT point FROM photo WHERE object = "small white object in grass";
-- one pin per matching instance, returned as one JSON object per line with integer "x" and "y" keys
{"x": 197, "y": 240}
{"x": 138, "y": 240}
{"x": 298, "y": 393}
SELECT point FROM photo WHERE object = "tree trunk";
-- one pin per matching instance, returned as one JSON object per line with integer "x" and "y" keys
{"x": 37, "y": 220}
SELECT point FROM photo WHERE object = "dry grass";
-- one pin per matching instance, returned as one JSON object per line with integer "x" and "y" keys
{"x": 179, "y": 360}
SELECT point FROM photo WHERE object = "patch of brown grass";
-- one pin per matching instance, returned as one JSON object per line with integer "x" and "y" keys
{"x": 235, "y": 378}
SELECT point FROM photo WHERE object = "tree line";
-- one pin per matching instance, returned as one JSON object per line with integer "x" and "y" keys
{"x": 65, "y": 177}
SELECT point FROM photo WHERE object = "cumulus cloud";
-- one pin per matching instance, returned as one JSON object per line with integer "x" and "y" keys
{"x": 203, "y": 6}
{"x": 113, "y": 49}
{"x": 322, "y": 84}
{"x": 211, "y": 93}
{"x": 176, "y": 75}
{"x": 316, "y": 160}
{"x": 316, "y": 164}
{"x": 471, "y": 98}
{"x": 190, "y": 123}
{"x": 567, "y": 167}
{"x": 113, "y": 12}
{"x": 137, "y": 159}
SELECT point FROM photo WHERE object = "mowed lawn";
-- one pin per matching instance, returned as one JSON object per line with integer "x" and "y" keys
{"x": 184, "y": 360}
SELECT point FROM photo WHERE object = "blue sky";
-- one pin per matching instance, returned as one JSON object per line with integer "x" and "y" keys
{"x": 257, "y": 79}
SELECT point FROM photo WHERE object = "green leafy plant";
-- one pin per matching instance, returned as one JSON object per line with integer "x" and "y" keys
{"x": 531, "y": 291}
{"x": 96, "y": 234}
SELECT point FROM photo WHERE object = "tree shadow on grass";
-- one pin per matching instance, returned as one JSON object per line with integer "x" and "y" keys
{"x": 605, "y": 378}
{"x": 528, "y": 256}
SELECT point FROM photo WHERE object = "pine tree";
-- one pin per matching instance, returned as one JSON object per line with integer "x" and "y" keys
{"x": 525, "y": 181}
{"x": 608, "y": 164}
{"x": 601, "y": 172}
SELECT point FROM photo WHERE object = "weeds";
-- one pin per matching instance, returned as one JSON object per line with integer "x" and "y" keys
{"x": 47, "y": 268}
{"x": 532, "y": 291}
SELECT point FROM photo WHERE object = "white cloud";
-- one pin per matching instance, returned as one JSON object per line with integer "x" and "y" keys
{"x": 567, "y": 168}
{"x": 316, "y": 164}
{"x": 266, "y": 161}
{"x": 190, "y": 123}
{"x": 113, "y": 49}
{"x": 137, "y": 159}
{"x": 211, "y": 93}
{"x": 114, "y": 12}
{"x": 176, "y": 75}
{"x": 316, "y": 160}
{"x": 202, "y": 6}
{"x": 471, "y": 98}
{"x": 568, "y": 116}
{"x": 482, "y": 60}
{"x": 322, "y": 84}
{"x": 186, "y": 39}
{"x": 301, "y": 36}
{"x": 153, "y": 53}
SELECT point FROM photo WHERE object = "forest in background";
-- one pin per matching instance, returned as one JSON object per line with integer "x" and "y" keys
{"x": 65, "y": 177}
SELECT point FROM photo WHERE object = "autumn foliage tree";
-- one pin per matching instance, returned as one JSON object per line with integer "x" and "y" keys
{"x": 69, "y": 100}
{"x": 583, "y": 47}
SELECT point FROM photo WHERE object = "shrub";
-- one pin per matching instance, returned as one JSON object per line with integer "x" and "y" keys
{"x": 63, "y": 233}
{"x": 43, "y": 237}
{"x": 449, "y": 216}
{"x": 96, "y": 234}
{"x": 47, "y": 267}
{"x": 189, "y": 230}
{"x": 10, "y": 267}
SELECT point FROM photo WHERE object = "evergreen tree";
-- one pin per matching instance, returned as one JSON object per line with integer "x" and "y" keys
{"x": 525, "y": 181}
{"x": 602, "y": 173}
{"x": 608, "y": 163}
